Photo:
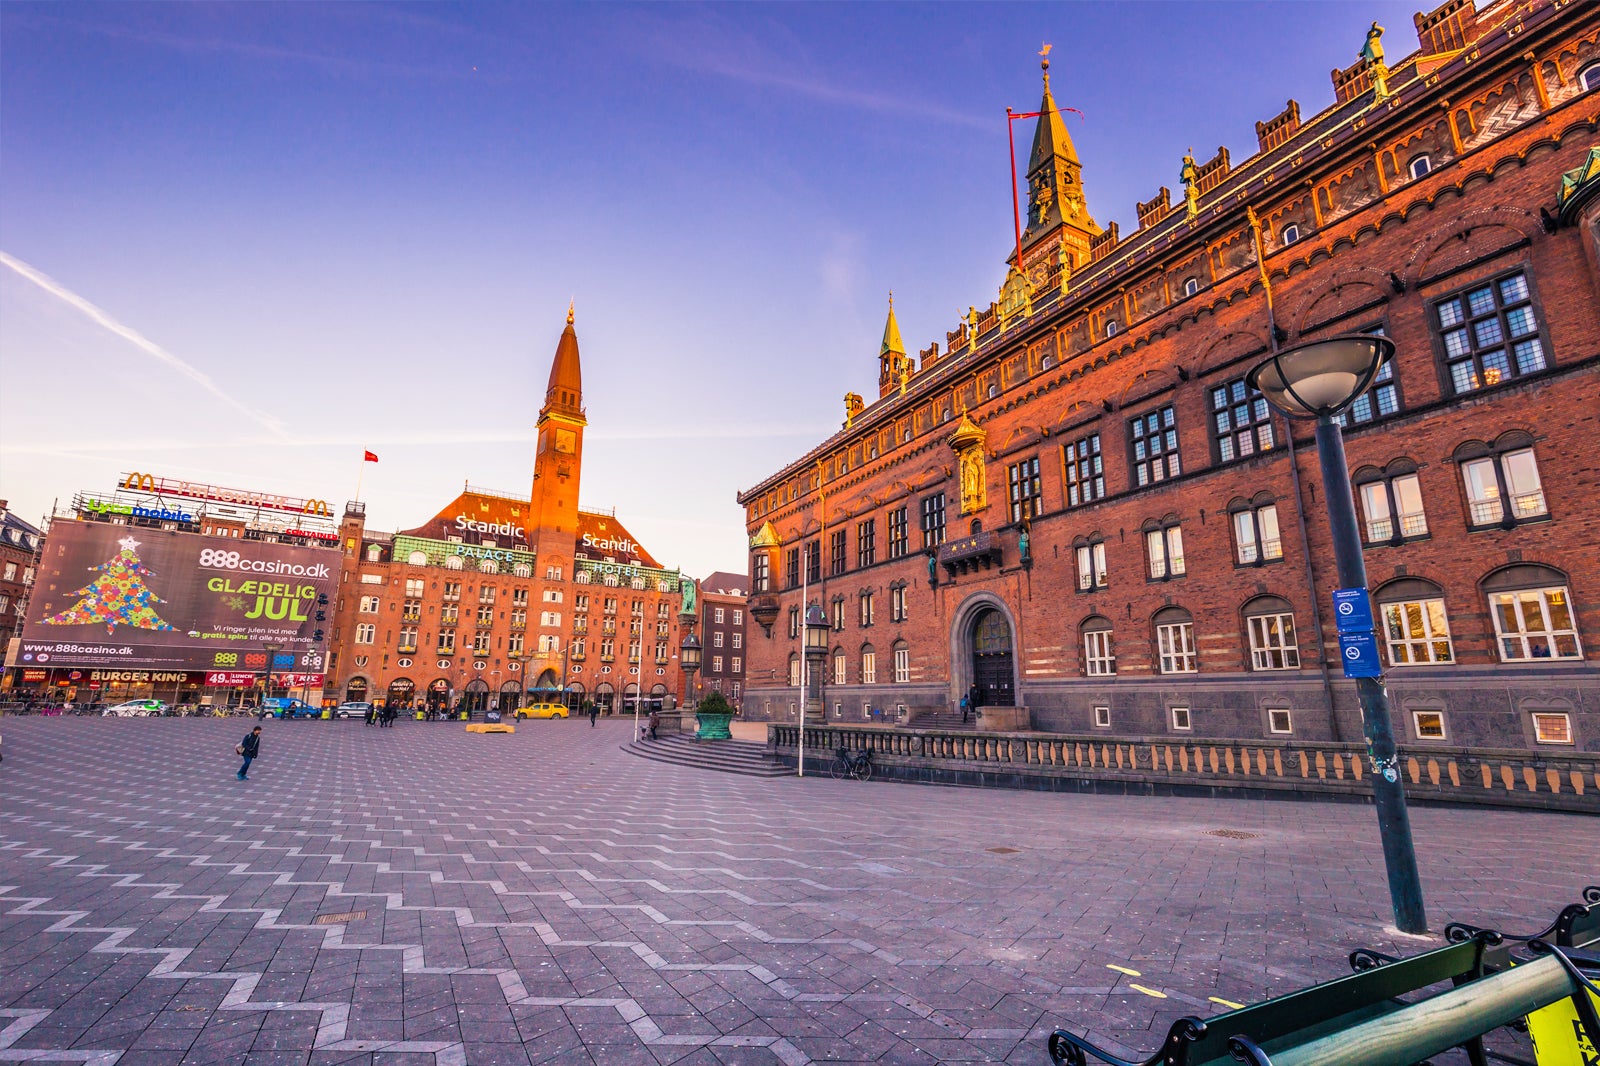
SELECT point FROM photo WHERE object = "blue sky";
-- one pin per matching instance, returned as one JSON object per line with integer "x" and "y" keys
{"x": 243, "y": 242}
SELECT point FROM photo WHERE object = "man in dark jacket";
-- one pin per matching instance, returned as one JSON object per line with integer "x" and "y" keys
{"x": 250, "y": 748}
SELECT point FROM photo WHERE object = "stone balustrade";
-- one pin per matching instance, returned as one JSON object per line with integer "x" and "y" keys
{"x": 1567, "y": 781}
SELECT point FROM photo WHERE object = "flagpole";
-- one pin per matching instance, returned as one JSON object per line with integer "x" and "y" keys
{"x": 805, "y": 574}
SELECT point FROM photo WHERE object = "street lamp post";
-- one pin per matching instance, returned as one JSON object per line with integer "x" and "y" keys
{"x": 689, "y": 657}
{"x": 817, "y": 631}
{"x": 272, "y": 650}
{"x": 1319, "y": 380}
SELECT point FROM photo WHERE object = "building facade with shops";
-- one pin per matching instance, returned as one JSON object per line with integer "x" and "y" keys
{"x": 502, "y": 599}
{"x": 1080, "y": 508}
{"x": 19, "y": 550}
{"x": 723, "y": 599}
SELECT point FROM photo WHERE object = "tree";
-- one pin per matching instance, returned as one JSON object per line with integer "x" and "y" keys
{"x": 118, "y": 597}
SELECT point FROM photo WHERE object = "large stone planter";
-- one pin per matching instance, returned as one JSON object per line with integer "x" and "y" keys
{"x": 713, "y": 726}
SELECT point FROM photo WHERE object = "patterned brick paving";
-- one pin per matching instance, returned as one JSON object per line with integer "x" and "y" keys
{"x": 545, "y": 897}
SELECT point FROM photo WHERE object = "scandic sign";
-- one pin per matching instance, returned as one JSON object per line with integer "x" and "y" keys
{"x": 150, "y": 599}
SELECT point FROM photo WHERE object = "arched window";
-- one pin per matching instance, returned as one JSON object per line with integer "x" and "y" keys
{"x": 1533, "y": 614}
{"x": 374, "y": 553}
{"x": 418, "y": 559}
{"x": 1111, "y": 328}
{"x": 902, "y": 662}
{"x": 583, "y": 577}
{"x": 1091, "y": 559}
{"x": 1099, "y": 660}
{"x": 1175, "y": 641}
{"x": 794, "y": 670}
{"x": 522, "y": 570}
{"x": 489, "y": 566}
{"x": 841, "y": 667}
{"x": 1589, "y": 77}
{"x": 869, "y": 665}
{"x": 1502, "y": 480}
{"x": 452, "y": 562}
{"x": 1191, "y": 286}
{"x": 1255, "y": 530}
{"x": 1412, "y": 618}
{"x": 1163, "y": 543}
{"x": 1419, "y": 165}
{"x": 1273, "y": 643}
{"x": 1290, "y": 234}
{"x": 1391, "y": 502}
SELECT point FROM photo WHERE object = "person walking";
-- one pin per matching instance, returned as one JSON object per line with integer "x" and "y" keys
{"x": 655, "y": 720}
{"x": 594, "y": 713}
{"x": 250, "y": 748}
{"x": 966, "y": 706}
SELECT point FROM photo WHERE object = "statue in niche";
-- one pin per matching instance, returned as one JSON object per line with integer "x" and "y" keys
{"x": 972, "y": 480}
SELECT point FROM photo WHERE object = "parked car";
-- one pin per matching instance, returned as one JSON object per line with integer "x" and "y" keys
{"x": 135, "y": 709}
{"x": 355, "y": 709}
{"x": 283, "y": 707}
{"x": 542, "y": 710}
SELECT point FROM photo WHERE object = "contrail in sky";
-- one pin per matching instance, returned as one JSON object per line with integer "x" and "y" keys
{"x": 134, "y": 337}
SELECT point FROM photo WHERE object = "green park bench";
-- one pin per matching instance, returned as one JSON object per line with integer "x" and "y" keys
{"x": 1362, "y": 1019}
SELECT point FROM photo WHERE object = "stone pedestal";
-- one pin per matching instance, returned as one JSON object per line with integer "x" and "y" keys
{"x": 1004, "y": 719}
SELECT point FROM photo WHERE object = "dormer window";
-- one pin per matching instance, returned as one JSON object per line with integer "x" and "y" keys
{"x": 1589, "y": 77}
{"x": 1191, "y": 286}
{"x": 1111, "y": 328}
{"x": 1290, "y": 234}
{"x": 1420, "y": 165}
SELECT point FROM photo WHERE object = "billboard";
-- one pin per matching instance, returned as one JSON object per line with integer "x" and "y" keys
{"x": 135, "y": 598}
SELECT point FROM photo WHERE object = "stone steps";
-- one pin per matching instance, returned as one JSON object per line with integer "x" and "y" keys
{"x": 946, "y": 721}
{"x": 726, "y": 756}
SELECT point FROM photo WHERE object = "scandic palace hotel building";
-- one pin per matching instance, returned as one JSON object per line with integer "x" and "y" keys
{"x": 1081, "y": 510}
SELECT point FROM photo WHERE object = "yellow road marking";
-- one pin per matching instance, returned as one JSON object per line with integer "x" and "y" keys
{"x": 1124, "y": 969}
{"x": 1148, "y": 991}
{"x": 1226, "y": 1002}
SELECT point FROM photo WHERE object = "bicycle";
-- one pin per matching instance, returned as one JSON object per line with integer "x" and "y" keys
{"x": 845, "y": 765}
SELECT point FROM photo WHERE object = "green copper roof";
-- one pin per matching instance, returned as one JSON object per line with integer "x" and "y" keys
{"x": 1578, "y": 185}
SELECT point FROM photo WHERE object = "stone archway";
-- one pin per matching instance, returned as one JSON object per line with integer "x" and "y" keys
{"x": 985, "y": 647}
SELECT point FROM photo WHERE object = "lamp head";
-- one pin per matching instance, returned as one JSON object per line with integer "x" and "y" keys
{"x": 1322, "y": 378}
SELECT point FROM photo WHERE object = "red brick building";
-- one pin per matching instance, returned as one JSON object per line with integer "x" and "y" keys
{"x": 1079, "y": 508}
{"x": 19, "y": 550}
{"x": 503, "y": 598}
{"x": 723, "y": 599}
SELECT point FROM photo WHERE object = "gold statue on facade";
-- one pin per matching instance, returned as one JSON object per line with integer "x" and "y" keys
{"x": 1190, "y": 175}
{"x": 967, "y": 442}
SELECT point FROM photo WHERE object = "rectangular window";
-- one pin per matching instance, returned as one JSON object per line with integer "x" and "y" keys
{"x": 1086, "y": 479}
{"x": 738, "y": 617}
{"x": 716, "y": 615}
{"x": 1272, "y": 642}
{"x": 1255, "y": 535}
{"x": 814, "y": 559}
{"x": 1524, "y": 493}
{"x": 1379, "y": 401}
{"x": 762, "y": 572}
{"x": 514, "y": 644}
{"x": 452, "y": 590}
{"x": 1416, "y": 633}
{"x": 737, "y": 663}
{"x": 794, "y": 622}
{"x": 737, "y": 638}
{"x": 448, "y": 614}
{"x": 933, "y": 520}
{"x": 866, "y": 609}
{"x": 716, "y": 639}
{"x": 841, "y": 669}
{"x": 519, "y": 597}
{"x": 1279, "y": 720}
{"x": 1098, "y": 660}
{"x": 519, "y": 619}
{"x": 902, "y": 666}
{"x": 1102, "y": 717}
{"x": 486, "y": 594}
{"x": 550, "y": 618}
{"x": 869, "y": 668}
{"x": 550, "y": 596}
{"x": 897, "y": 604}
{"x": 1091, "y": 566}
{"x": 716, "y": 664}
{"x": 372, "y": 579}
{"x": 1165, "y": 547}
{"x": 447, "y": 642}
{"x": 1175, "y": 646}
{"x": 791, "y": 561}
{"x": 480, "y": 643}
{"x": 366, "y": 633}
{"x": 1533, "y": 624}
{"x": 408, "y": 639}
{"x": 1025, "y": 488}
{"x": 1428, "y": 724}
{"x": 414, "y": 586}
{"x": 1241, "y": 419}
{"x": 1488, "y": 333}
{"x": 1154, "y": 439}
{"x": 1393, "y": 505}
{"x": 899, "y": 535}
{"x": 1552, "y": 728}
{"x": 549, "y": 642}
{"x": 838, "y": 614}
{"x": 369, "y": 605}
{"x": 838, "y": 563}
{"x": 1180, "y": 719}
{"x": 486, "y": 616}
{"x": 866, "y": 542}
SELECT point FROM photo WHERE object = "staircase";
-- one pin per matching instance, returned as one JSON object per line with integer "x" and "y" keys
{"x": 728, "y": 756}
{"x": 946, "y": 721}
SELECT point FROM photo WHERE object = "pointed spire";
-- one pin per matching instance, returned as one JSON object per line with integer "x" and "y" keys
{"x": 565, "y": 391}
{"x": 891, "y": 334}
{"x": 1050, "y": 137}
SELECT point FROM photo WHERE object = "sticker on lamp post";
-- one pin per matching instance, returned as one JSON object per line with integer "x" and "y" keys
{"x": 1352, "y": 610}
{"x": 1359, "y": 654}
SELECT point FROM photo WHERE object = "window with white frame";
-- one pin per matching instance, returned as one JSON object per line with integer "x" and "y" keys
{"x": 1391, "y": 503}
{"x": 1552, "y": 727}
{"x": 408, "y": 638}
{"x": 866, "y": 609}
{"x": 514, "y": 644}
{"x": 1153, "y": 438}
{"x": 1589, "y": 77}
{"x": 1290, "y": 234}
{"x": 902, "y": 664}
{"x": 1024, "y": 489}
{"x": 414, "y": 586}
{"x": 716, "y": 615}
{"x": 1415, "y": 629}
{"x": 1091, "y": 559}
{"x": 552, "y": 595}
{"x": 480, "y": 643}
{"x": 1273, "y": 645}
{"x": 1428, "y": 725}
{"x": 369, "y": 605}
{"x": 1503, "y": 486}
{"x": 736, "y": 663}
{"x": 869, "y": 666}
{"x": 1175, "y": 641}
{"x": 1164, "y": 546}
{"x": 549, "y": 642}
{"x": 794, "y": 671}
{"x": 1533, "y": 615}
{"x": 1099, "y": 660}
{"x": 366, "y": 633}
{"x": 1181, "y": 721}
{"x": 716, "y": 639}
{"x": 841, "y": 667}
{"x": 736, "y": 639}
{"x": 897, "y": 603}
{"x": 1489, "y": 333}
{"x": 899, "y": 536}
{"x": 716, "y": 664}
{"x": 1086, "y": 479}
{"x": 1419, "y": 165}
{"x": 1255, "y": 533}
{"x": 738, "y": 617}
{"x": 1111, "y": 328}
{"x": 1102, "y": 717}
{"x": 1191, "y": 286}
{"x": 1280, "y": 721}
{"x": 1241, "y": 420}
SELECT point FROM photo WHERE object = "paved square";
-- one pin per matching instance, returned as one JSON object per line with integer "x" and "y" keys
{"x": 421, "y": 895}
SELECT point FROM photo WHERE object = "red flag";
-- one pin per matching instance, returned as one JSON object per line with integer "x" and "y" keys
{"x": 369, "y": 457}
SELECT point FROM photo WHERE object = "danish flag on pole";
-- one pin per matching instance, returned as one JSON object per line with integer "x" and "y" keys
{"x": 369, "y": 457}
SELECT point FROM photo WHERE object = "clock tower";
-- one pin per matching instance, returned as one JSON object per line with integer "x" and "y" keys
{"x": 553, "y": 514}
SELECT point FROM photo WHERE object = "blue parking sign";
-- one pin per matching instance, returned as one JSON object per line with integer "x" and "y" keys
{"x": 1352, "y": 610}
{"x": 1359, "y": 654}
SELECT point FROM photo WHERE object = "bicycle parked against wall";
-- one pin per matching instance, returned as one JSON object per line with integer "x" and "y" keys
{"x": 846, "y": 765}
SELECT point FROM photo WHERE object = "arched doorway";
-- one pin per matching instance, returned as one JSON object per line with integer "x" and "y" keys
{"x": 439, "y": 695}
{"x": 355, "y": 691}
{"x": 475, "y": 697}
{"x": 574, "y": 696}
{"x": 658, "y": 697}
{"x": 548, "y": 687}
{"x": 993, "y": 671}
{"x": 510, "y": 696}
{"x": 604, "y": 695}
{"x": 401, "y": 691}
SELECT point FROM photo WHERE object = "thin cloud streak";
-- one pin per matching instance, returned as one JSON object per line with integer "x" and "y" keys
{"x": 137, "y": 339}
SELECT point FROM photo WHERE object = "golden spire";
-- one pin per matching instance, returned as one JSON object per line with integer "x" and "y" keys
{"x": 571, "y": 304}
{"x": 1044, "y": 65}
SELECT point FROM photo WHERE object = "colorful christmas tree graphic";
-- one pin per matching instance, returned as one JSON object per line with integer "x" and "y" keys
{"x": 118, "y": 597}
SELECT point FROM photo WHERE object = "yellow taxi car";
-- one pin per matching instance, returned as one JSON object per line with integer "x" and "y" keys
{"x": 542, "y": 710}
